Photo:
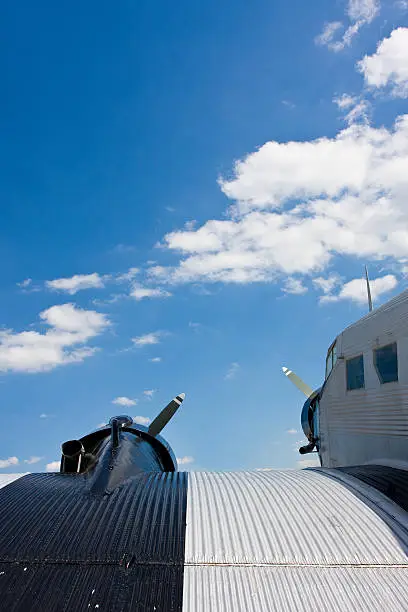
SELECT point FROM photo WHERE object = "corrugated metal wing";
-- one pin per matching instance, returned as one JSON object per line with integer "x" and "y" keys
{"x": 277, "y": 589}
{"x": 289, "y": 541}
{"x": 286, "y": 517}
{"x": 6, "y": 479}
{"x": 63, "y": 548}
{"x": 391, "y": 482}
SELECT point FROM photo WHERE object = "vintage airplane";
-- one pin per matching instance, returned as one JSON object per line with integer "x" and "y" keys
{"x": 120, "y": 529}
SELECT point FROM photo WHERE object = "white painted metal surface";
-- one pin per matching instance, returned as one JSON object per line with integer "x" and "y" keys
{"x": 6, "y": 479}
{"x": 367, "y": 425}
{"x": 277, "y": 589}
{"x": 288, "y": 540}
{"x": 292, "y": 516}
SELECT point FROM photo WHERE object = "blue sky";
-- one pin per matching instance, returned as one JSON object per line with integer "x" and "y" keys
{"x": 189, "y": 193}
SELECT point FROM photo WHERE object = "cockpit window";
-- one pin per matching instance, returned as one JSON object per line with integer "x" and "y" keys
{"x": 331, "y": 358}
{"x": 355, "y": 373}
{"x": 386, "y": 363}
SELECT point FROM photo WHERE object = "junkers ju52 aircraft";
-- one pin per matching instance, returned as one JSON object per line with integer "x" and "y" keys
{"x": 119, "y": 528}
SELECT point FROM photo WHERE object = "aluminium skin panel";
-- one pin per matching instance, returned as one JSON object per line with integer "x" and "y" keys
{"x": 276, "y": 540}
{"x": 369, "y": 424}
{"x": 290, "y": 541}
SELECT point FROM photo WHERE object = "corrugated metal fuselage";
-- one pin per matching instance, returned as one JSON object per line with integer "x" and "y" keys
{"x": 368, "y": 425}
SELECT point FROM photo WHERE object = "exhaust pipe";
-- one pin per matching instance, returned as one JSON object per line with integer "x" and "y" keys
{"x": 304, "y": 450}
{"x": 72, "y": 456}
{"x": 72, "y": 448}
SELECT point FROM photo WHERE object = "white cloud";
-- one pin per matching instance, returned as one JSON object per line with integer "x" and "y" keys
{"x": 358, "y": 109}
{"x": 155, "y": 359}
{"x": 25, "y": 283}
{"x": 299, "y": 204}
{"x": 308, "y": 463}
{"x": 356, "y": 289}
{"x": 326, "y": 285}
{"x": 147, "y": 339}
{"x": 27, "y": 286}
{"x": 139, "y": 293}
{"x": 112, "y": 299}
{"x": 291, "y": 431}
{"x": 149, "y": 393}
{"x": 294, "y": 286}
{"x": 363, "y": 10}
{"x": 69, "y": 327}
{"x": 79, "y": 282}
{"x": 232, "y": 371}
{"x": 345, "y": 101}
{"x": 44, "y": 416}
{"x": 155, "y": 271}
{"x": 54, "y": 466}
{"x": 189, "y": 225}
{"x": 141, "y": 420}
{"x": 128, "y": 276}
{"x": 76, "y": 283}
{"x": 389, "y": 64}
{"x": 360, "y": 112}
{"x": 359, "y": 13}
{"x": 328, "y": 33}
{"x": 32, "y": 460}
{"x": 185, "y": 460}
{"x": 278, "y": 172}
{"x": 124, "y": 401}
{"x": 5, "y": 463}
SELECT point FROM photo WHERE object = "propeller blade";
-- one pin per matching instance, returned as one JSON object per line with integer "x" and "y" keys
{"x": 298, "y": 382}
{"x": 165, "y": 415}
{"x": 370, "y": 301}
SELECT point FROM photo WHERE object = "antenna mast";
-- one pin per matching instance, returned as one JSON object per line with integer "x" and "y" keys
{"x": 370, "y": 302}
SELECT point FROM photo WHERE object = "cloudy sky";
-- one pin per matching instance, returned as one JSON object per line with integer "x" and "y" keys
{"x": 189, "y": 192}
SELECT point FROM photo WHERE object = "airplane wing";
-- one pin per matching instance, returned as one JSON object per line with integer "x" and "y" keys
{"x": 246, "y": 541}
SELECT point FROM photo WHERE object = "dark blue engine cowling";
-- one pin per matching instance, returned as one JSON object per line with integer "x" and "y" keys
{"x": 307, "y": 415}
{"x": 306, "y": 419}
{"x": 110, "y": 455}
{"x": 309, "y": 421}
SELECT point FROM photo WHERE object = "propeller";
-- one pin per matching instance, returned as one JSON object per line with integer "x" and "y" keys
{"x": 306, "y": 418}
{"x": 298, "y": 382}
{"x": 165, "y": 415}
{"x": 370, "y": 301}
